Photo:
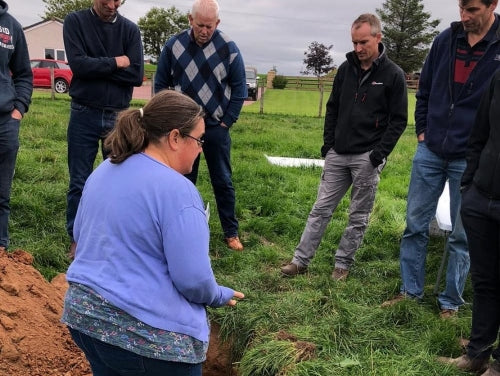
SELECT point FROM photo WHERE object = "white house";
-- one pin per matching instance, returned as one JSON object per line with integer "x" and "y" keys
{"x": 45, "y": 39}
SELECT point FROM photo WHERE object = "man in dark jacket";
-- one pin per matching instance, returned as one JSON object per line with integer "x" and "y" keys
{"x": 460, "y": 64}
{"x": 105, "y": 54}
{"x": 481, "y": 218}
{"x": 15, "y": 97}
{"x": 365, "y": 116}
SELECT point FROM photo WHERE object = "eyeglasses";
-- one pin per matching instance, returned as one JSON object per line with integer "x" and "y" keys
{"x": 198, "y": 140}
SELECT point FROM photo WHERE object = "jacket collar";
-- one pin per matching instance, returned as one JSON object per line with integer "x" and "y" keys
{"x": 352, "y": 58}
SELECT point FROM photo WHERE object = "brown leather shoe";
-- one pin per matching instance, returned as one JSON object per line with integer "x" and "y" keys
{"x": 291, "y": 270}
{"x": 398, "y": 298}
{"x": 234, "y": 243}
{"x": 340, "y": 274}
{"x": 466, "y": 363}
{"x": 446, "y": 314}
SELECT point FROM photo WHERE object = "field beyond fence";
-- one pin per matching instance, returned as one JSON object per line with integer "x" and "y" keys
{"x": 314, "y": 84}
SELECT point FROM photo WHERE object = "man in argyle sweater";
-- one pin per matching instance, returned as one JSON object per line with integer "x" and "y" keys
{"x": 205, "y": 64}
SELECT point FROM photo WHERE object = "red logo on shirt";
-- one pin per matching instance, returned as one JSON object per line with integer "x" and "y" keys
{"x": 5, "y": 38}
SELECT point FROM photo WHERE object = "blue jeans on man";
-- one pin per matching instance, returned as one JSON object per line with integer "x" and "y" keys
{"x": 428, "y": 177}
{"x": 87, "y": 126}
{"x": 9, "y": 145}
{"x": 217, "y": 152}
{"x": 109, "y": 360}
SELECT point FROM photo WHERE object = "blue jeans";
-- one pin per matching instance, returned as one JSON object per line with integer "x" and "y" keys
{"x": 9, "y": 145}
{"x": 339, "y": 173}
{"x": 481, "y": 217}
{"x": 217, "y": 152}
{"x": 428, "y": 178}
{"x": 109, "y": 360}
{"x": 87, "y": 126}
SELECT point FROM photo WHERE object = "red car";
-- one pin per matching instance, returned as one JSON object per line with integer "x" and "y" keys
{"x": 41, "y": 74}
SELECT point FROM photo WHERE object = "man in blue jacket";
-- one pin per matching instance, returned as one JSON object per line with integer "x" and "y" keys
{"x": 105, "y": 54}
{"x": 15, "y": 98}
{"x": 461, "y": 62}
{"x": 365, "y": 116}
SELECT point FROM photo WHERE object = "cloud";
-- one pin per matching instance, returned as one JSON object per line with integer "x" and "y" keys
{"x": 270, "y": 33}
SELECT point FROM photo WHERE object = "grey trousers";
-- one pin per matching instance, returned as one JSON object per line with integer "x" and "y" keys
{"x": 339, "y": 173}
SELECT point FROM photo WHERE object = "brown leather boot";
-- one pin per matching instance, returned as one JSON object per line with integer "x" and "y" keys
{"x": 234, "y": 243}
{"x": 466, "y": 363}
{"x": 291, "y": 270}
{"x": 340, "y": 274}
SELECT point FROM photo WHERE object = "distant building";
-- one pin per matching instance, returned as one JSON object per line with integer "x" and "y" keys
{"x": 45, "y": 39}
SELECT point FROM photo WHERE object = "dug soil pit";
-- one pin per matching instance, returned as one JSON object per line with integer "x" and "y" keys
{"x": 33, "y": 342}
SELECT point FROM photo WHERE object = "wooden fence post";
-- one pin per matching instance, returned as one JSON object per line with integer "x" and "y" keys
{"x": 261, "y": 88}
{"x": 321, "y": 90}
{"x": 52, "y": 88}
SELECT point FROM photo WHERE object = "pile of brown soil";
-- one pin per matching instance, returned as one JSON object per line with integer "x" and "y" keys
{"x": 33, "y": 342}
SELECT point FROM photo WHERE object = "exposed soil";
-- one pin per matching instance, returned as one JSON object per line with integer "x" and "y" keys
{"x": 32, "y": 340}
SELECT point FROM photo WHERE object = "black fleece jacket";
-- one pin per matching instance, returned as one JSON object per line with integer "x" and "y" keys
{"x": 483, "y": 150}
{"x": 367, "y": 114}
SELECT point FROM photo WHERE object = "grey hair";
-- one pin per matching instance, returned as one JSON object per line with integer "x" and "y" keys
{"x": 205, "y": 7}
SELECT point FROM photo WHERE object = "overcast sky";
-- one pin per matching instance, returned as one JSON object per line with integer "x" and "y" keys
{"x": 270, "y": 33}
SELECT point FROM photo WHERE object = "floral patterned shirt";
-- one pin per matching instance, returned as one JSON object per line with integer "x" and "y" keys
{"x": 91, "y": 314}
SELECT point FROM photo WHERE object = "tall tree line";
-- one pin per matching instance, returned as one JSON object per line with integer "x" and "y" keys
{"x": 408, "y": 32}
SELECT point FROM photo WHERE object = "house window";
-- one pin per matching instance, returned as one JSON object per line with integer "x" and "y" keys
{"x": 51, "y": 53}
{"x": 61, "y": 55}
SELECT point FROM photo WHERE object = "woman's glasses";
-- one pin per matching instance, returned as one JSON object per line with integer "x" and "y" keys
{"x": 198, "y": 140}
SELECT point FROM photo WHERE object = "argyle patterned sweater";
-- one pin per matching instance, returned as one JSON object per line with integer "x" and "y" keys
{"x": 213, "y": 74}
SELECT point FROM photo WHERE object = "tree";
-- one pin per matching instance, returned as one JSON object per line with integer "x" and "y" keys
{"x": 158, "y": 25}
{"x": 408, "y": 32}
{"x": 318, "y": 60}
{"x": 61, "y": 8}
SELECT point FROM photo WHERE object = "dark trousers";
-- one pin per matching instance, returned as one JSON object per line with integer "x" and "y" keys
{"x": 87, "y": 127}
{"x": 9, "y": 145}
{"x": 109, "y": 360}
{"x": 481, "y": 219}
{"x": 217, "y": 152}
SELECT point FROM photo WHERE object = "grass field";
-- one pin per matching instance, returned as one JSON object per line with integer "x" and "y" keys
{"x": 309, "y": 325}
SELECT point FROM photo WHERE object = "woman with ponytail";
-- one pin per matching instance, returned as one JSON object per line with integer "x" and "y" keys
{"x": 141, "y": 278}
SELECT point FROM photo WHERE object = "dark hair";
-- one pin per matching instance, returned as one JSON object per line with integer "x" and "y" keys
{"x": 136, "y": 128}
{"x": 370, "y": 19}
{"x": 485, "y": 2}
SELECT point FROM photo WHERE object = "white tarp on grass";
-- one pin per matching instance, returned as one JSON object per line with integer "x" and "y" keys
{"x": 295, "y": 162}
{"x": 443, "y": 207}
